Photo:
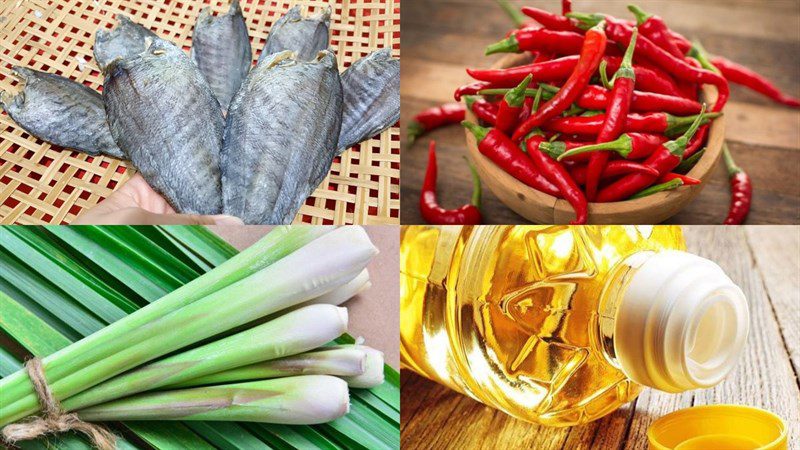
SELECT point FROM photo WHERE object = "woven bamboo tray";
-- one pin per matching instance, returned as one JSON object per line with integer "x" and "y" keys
{"x": 41, "y": 183}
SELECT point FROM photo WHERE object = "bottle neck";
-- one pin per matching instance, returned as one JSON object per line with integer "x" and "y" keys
{"x": 672, "y": 320}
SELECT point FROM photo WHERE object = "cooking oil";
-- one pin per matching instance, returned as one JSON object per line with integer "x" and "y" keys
{"x": 561, "y": 325}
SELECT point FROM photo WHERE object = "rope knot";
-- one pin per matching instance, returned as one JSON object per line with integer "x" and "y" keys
{"x": 53, "y": 418}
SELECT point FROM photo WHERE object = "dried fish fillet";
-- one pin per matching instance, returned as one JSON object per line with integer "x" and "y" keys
{"x": 371, "y": 88}
{"x": 163, "y": 114}
{"x": 221, "y": 49}
{"x": 306, "y": 36}
{"x": 62, "y": 112}
{"x": 280, "y": 137}
{"x": 126, "y": 40}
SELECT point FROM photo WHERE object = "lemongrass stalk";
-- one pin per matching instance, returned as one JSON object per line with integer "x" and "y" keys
{"x": 296, "y": 332}
{"x": 373, "y": 373}
{"x": 275, "y": 245}
{"x": 356, "y": 286}
{"x": 342, "y": 360}
{"x": 322, "y": 265}
{"x": 302, "y": 400}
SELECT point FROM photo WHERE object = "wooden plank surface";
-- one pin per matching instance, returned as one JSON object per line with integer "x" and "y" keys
{"x": 441, "y": 38}
{"x": 762, "y": 260}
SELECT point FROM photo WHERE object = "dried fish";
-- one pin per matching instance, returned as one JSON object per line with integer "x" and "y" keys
{"x": 280, "y": 137}
{"x": 126, "y": 40}
{"x": 61, "y": 111}
{"x": 306, "y": 36}
{"x": 163, "y": 114}
{"x": 371, "y": 88}
{"x": 221, "y": 49}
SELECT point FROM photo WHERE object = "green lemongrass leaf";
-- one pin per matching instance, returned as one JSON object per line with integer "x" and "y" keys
{"x": 8, "y": 362}
{"x": 328, "y": 262}
{"x": 228, "y": 436}
{"x": 110, "y": 341}
{"x": 296, "y": 332}
{"x": 133, "y": 243}
{"x": 10, "y": 289}
{"x": 52, "y": 263}
{"x": 203, "y": 243}
{"x": 291, "y": 401}
{"x": 378, "y": 405}
{"x": 27, "y": 329}
{"x": 291, "y": 437}
{"x": 150, "y": 286}
{"x": 179, "y": 249}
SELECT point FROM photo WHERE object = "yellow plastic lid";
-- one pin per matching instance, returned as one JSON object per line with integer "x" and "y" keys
{"x": 728, "y": 427}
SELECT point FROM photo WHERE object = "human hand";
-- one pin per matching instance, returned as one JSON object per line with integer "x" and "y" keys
{"x": 136, "y": 203}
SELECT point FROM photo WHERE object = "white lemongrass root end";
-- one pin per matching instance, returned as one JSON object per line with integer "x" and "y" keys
{"x": 373, "y": 373}
{"x": 344, "y": 293}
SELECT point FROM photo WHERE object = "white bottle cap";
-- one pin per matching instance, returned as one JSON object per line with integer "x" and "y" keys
{"x": 682, "y": 323}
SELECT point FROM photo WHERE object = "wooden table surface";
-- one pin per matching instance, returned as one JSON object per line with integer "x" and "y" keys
{"x": 441, "y": 38}
{"x": 764, "y": 261}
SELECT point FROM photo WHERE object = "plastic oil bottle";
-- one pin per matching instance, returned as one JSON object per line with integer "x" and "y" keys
{"x": 561, "y": 325}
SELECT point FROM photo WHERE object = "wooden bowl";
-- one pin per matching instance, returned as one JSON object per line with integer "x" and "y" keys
{"x": 539, "y": 207}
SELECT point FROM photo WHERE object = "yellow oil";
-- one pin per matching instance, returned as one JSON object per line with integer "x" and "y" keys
{"x": 521, "y": 317}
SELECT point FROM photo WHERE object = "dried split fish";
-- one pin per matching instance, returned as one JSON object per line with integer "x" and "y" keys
{"x": 62, "y": 112}
{"x": 306, "y": 36}
{"x": 126, "y": 40}
{"x": 371, "y": 88}
{"x": 162, "y": 112}
{"x": 281, "y": 136}
{"x": 221, "y": 49}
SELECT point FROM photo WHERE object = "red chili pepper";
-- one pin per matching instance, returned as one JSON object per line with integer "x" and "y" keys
{"x": 511, "y": 107}
{"x": 616, "y": 116}
{"x": 558, "y": 175}
{"x": 549, "y": 20}
{"x": 664, "y": 160}
{"x": 474, "y": 88}
{"x": 620, "y": 32}
{"x": 613, "y": 169}
{"x": 505, "y": 153}
{"x": 647, "y": 79}
{"x": 687, "y": 181}
{"x": 483, "y": 110}
{"x": 697, "y": 142}
{"x": 527, "y": 108}
{"x": 435, "y": 214}
{"x": 435, "y": 117}
{"x": 739, "y": 74}
{"x": 591, "y": 54}
{"x": 553, "y": 70}
{"x": 560, "y": 69}
{"x": 596, "y": 97}
{"x": 641, "y": 123}
{"x": 566, "y": 7}
{"x": 741, "y": 190}
{"x": 628, "y": 146}
{"x": 653, "y": 27}
{"x": 528, "y": 39}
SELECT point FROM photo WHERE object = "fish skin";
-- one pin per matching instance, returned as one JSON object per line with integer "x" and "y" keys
{"x": 62, "y": 112}
{"x": 221, "y": 49}
{"x": 306, "y": 36}
{"x": 371, "y": 88}
{"x": 126, "y": 40}
{"x": 280, "y": 137}
{"x": 163, "y": 114}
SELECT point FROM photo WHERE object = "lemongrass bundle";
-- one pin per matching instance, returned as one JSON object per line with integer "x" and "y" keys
{"x": 341, "y": 361}
{"x": 301, "y": 400}
{"x": 272, "y": 247}
{"x": 295, "y": 332}
{"x": 373, "y": 370}
{"x": 323, "y": 264}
